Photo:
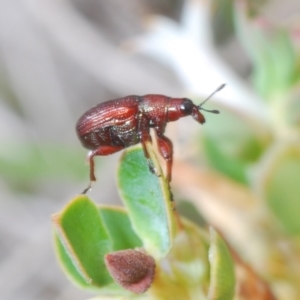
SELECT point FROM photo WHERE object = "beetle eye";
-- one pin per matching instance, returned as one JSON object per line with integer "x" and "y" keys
{"x": 187, "y": 106}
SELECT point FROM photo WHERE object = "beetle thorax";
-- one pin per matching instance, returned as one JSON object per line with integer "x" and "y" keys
{"x": 154, "y": 107}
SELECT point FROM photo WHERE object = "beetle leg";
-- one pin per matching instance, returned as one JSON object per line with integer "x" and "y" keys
{"x": 100, "y": 151}
{"x": 145, "y": 137}
{"x": 149, "y": 162}
{"x": 165, "y": 148}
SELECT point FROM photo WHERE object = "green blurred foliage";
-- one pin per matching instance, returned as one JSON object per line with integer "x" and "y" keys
{"x": 265, "y": 156}
{"x": 25, "y": 165}
{"x": 235, "y": 144}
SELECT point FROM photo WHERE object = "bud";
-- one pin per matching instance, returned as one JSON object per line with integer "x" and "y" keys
{"x": 132, "y": 269}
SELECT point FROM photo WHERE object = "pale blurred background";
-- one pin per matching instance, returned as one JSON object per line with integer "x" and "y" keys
{"x": 59, "y": 58}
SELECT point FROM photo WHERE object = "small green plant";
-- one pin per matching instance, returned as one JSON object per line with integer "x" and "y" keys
{"x": 255, "y": 155}
{"x": 145, "y": 250}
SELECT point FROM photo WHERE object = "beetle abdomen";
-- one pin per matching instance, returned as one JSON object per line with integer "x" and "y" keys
{"x": 126, "y": 133}
{"x": 111, "y": 123}
{"x": 96, "y": 138}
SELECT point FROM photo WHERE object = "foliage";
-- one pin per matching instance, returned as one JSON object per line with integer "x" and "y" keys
{"x": 190, "y": 262}
{"x": 263, "y": 154}
{"x": 253, "y": 190}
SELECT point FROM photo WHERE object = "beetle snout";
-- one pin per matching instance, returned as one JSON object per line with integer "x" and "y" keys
{"x": 197, "y": 116}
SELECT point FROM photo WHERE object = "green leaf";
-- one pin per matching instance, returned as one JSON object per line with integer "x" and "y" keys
{"x": 188, "y": 257}
{"x": 222, "y": 274}
{"x": 222, "y": 20}
{"x": 68, "y": 265}
{"x": 226, "y": 164}
{"x": 257, "y": 47}
{"x": 232, "y": 143}
{"x": 282, "y": 186}
{"x": 25, "y": 165}
{"x": 189, "y": 211}
{"x": 284, "y": 60}
{"x": 147, "y": 199}
{"x": 119, "y": 228}
{"x": 291, "y": 112}
{"x": 271, "y": 51}
{"x": 184, "y": 272}
{"x": 85, "y": 240}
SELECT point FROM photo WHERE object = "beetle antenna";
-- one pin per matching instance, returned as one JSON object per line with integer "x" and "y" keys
{"x": 213, "y": 111}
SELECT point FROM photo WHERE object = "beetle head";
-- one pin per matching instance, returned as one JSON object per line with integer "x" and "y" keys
{"x": 196, "y": 114}
{"x": 179, "y": 108}
{"x": 188, "y": 108}
{"x": 182, "y": 107}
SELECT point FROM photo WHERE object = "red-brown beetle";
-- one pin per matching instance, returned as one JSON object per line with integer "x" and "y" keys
{"x": 117, "y": 124}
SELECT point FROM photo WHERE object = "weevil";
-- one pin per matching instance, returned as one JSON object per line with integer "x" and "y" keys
{"x": 116, "y": 124}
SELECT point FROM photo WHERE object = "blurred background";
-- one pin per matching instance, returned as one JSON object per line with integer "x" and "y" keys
{"x": 241, "y": 171}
